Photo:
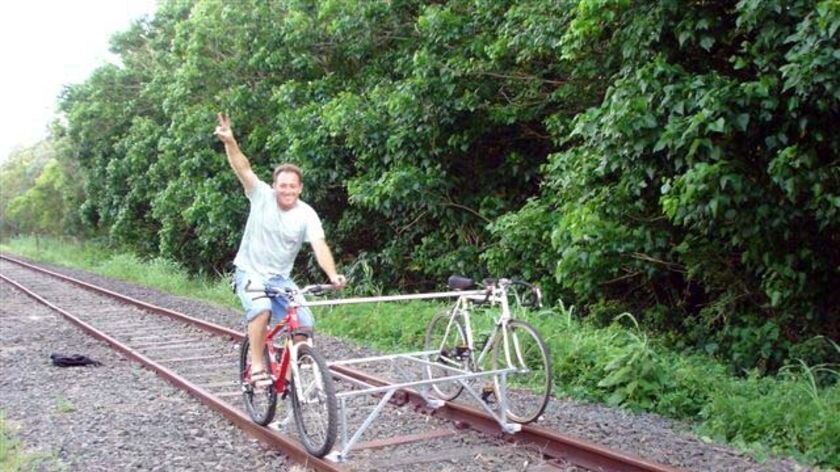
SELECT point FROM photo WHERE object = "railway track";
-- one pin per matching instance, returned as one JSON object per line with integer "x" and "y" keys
{"x": 201, "y": 358}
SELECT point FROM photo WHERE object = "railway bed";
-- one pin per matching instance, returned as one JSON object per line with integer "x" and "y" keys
{"x": 404, "y": 438}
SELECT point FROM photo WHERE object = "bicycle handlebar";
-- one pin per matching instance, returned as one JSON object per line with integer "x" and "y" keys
{"x": 533, "y": 298}
{"x": 271, "y": 292}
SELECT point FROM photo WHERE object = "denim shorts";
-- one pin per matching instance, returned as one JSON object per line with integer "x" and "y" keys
{"x": 278, "y": 305}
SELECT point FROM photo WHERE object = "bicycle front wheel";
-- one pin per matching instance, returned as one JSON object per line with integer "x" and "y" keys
{"x": 261, "y": 404}
{"x": 445, "y": 335}
{"x": 529, "y": 386}
{"x": 314, "y": 402}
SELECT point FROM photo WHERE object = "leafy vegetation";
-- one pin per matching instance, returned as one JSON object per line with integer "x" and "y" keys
{"x": 13, "y": 457}
{"x": 63, "y": 405}
{"x": 675, "y": 160}
{"x": 796, "y": 414}
{"x": 40, "y": 192}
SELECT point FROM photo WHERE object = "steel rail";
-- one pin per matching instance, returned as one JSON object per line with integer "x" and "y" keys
{"x": 212, "y": 327}
{"x": 273, "y": 439}
{"x": 550, "y": 443}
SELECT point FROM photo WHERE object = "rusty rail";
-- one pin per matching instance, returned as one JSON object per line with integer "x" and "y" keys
{"x": 552, "y": 444}
{"x": 269, "y": 437}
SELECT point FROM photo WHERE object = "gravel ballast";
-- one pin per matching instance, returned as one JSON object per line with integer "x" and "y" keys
{"x": 78, "y": 418}
{"x": 105, "y": 418}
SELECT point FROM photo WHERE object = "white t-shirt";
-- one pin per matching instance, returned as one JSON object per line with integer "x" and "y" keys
{"x": 274, "y": 236}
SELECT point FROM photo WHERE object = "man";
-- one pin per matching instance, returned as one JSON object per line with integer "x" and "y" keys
{"x": 278, "y": 224}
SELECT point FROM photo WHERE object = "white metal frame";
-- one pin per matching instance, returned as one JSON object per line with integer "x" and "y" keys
{"x": 465, "y": 300}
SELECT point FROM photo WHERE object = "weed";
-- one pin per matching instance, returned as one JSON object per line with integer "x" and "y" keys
{"x": 63, "y": 405}
{"x": 13, "y": 457}
{"x": 796, "y": 413}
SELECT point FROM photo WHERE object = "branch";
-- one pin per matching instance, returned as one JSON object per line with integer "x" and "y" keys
{"x": 623, "y": 277}
{"x": 670, "y": 265}
{"x": 412, "y": 223}
{"x": 466, "y": 208}
{"x": 522, "y": 77}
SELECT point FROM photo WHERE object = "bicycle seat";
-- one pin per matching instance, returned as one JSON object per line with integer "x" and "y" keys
{"x": 457, "y": 282}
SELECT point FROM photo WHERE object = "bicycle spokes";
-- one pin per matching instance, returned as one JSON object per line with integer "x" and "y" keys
{"x": 260, "y": 403}
{"x": 446, "y": 336}
{"x": 528, "y": 388}
{"x": 314, "y": 402}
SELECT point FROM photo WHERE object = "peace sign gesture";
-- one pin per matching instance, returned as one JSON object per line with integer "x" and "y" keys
{"x": 223, "y": 131}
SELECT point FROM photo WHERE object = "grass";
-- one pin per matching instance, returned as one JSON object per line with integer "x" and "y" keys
{"x": 63, "y": 405}
{"x": 789, "y": 415}
{"x": 158, "y": 273}
{"x": 13, "y": 457}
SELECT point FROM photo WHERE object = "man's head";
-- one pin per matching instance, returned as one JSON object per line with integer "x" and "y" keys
{"x": 288, "y": 183}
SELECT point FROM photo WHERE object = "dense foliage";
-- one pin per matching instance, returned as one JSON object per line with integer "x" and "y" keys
{"x": 675, "y": 159}
{"x": 40, "y": 191}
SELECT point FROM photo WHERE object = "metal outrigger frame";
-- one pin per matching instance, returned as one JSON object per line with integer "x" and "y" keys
{"x": 409, "y": 379}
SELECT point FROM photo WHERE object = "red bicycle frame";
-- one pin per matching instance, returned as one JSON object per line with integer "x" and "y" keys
{"x": 280, "y": 369}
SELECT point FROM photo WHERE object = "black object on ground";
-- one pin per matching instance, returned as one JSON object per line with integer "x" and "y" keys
{"x": 72, "y": 360}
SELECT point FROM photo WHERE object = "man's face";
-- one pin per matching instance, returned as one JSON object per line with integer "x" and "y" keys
{"x": 287, "y": 186}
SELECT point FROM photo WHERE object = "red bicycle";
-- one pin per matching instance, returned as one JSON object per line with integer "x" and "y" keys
{"x": 297, "y": 370}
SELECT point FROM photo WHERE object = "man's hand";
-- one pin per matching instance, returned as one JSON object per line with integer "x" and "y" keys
{"x": 338, "y": 281}
{"x": 223, "y": 131}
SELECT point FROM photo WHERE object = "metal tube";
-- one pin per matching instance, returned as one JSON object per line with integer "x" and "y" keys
{"x": 394, "y": 298}
{"x": 367, "y": 422}
{"x": 385, "y": 357}
{"x": 344, "y": 446}
{"x": 424, "y": 382}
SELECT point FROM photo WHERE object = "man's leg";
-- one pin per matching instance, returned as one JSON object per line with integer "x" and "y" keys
{"x": 256, "y": 338}
{"x": 257, "y": 313}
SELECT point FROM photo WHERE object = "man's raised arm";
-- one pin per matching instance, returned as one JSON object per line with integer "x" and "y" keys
{"x": 237, "y": 160}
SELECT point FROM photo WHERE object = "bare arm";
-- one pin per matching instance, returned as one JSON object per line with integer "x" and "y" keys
{"x": 325, "y": 260}
{"x": 240, "y": 164}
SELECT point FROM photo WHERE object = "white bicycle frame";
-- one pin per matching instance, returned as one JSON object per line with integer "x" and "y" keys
{"x": 497, "y": 295}
{"x": 463, "y": 309}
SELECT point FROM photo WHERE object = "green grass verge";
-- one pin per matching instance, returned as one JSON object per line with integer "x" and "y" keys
{"x": 157, "y": 273}
{"x": 13, "y": 457}
{"x": 792, "y": 414}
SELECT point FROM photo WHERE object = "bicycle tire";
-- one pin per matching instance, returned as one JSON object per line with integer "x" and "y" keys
{"x": 447, "y": 345}
{"x": 529, "y": 388}
{"x": 318, "y": 401}
{"x": 260, "y": 404}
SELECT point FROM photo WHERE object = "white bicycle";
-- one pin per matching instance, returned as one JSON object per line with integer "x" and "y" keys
{"x": 510, "y": 343}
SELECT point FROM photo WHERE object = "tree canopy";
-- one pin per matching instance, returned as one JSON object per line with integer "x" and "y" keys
{"x": 675, "y": 159}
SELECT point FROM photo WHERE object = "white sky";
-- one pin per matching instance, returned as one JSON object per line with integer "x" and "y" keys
{"x": 45, "y": 44}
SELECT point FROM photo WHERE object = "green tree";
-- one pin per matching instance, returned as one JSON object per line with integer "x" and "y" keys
{"x": 676, "y": 159}
{"x": 704, "y": 189}
{"x": 40, "y": 166}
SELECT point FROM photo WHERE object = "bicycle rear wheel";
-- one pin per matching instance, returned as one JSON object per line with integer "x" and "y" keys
{"x": 261, "y": 404}
{"x": 450, "y": 342}
{"x": 314, "y": 402}
{"x": 529, "y": 387}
